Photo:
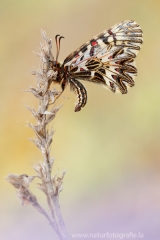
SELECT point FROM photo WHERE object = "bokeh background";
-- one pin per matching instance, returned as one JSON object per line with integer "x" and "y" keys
{"x": 110, "y": 149}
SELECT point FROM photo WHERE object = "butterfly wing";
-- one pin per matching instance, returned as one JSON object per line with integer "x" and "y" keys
{"x": 108, "y": 58}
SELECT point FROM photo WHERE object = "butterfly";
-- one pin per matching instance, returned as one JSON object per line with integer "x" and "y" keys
{"x": 107, "y": 59}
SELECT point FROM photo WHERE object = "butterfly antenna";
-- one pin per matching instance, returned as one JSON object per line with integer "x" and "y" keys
{"x": 58, "y": 43}
{"x": 57, "y": 46}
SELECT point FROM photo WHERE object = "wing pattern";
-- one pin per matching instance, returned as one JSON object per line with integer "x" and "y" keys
{"x": 108, "y": 58}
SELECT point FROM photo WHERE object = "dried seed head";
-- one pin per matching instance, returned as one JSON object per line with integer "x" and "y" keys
{"x": 21, "y": 183}
{"x": 57, "y": 183}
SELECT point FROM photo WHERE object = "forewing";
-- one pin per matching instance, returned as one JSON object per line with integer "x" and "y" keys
{"x": 108, "y": 58}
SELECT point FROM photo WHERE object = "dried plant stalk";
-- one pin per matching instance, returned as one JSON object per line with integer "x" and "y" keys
{"x": 51, "y": 186}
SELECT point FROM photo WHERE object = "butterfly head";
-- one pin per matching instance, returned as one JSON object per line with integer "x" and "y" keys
{"x": 54, "y": 64}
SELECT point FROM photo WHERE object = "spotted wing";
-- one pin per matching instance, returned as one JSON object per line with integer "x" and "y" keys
{"x": 108, "y": 58}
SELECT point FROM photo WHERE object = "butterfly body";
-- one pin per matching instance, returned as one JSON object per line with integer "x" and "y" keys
{"x": 107, "y": 59}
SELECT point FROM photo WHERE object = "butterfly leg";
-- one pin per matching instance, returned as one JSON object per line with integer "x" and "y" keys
{"x": 63, "y": 85}
{"x": 80, "y": 92}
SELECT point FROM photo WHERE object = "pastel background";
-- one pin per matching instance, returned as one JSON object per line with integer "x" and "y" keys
{"x": 111, "y": 149}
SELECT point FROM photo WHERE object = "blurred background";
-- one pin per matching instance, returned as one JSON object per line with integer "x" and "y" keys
{"x": 110, "y": 149}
